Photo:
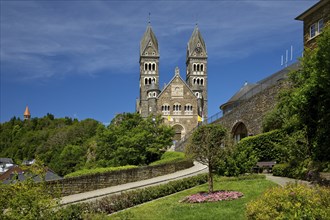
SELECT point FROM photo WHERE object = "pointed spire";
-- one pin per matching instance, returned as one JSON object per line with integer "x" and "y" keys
{"x": 149, "y": 39}
{"x": 196, "y": 40}
{"x": 27, "y": 114}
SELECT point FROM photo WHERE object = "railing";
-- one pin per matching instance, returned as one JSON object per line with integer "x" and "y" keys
{"x": 260, "y": 86}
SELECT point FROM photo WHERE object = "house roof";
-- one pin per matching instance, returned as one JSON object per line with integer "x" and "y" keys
{"x": 312, "y": 9}
{"x": 21, "y": 175}
{"x": 5, "y": 160}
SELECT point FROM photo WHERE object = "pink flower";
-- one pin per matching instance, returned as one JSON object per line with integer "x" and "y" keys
{"x": 212, "y": 197}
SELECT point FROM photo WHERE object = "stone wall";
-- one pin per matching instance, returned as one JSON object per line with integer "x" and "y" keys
{"x": 252, "y": 111}
{"x": 87, "y": 183}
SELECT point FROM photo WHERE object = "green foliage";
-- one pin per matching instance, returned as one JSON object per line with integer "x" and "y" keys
{"x": 294, "y": 201}
{"x": 27, "y": 199}
{"x": 169, "y": 156}
{"x": 98, "y": 170}
{"x": 68, "y": 145}
{"x": 304, "y": 106}
{"x": 281, "y": 169}
{"x": 131, "y": 198}
{"x": 169, "y": 207}
{"x": 130, "y": 139}
{"x": 50, "y": 139}
{"x": 207, "y": 146}
{"x": 245, "y": 154}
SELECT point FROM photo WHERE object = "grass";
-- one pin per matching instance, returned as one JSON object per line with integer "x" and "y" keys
{"x": 169, "y": 156}
{"x": 98, "y": 170}
{"x": 171, "y": 208}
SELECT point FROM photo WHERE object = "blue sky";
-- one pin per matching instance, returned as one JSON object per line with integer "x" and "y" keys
{"x": 81, "y": 58}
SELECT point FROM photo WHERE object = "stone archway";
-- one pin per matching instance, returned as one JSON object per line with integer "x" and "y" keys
{"x": 239, "y": 131}
{"x": 179, "y": 132}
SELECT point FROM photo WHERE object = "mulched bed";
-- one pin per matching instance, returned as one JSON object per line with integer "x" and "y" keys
{"x": 212, "y": 197}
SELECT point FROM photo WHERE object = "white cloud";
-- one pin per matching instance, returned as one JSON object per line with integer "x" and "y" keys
{"x": 45, "y": 39}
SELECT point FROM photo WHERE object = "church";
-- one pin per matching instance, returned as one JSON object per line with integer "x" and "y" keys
{"x": 182, "y": 103}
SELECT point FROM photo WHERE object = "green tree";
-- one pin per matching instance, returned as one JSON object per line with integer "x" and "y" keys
{"x": 207, "y": 146}
{"x": 27, "y": 199}
{"x": 131, "y": 139}
{"x": 305, "y": 105}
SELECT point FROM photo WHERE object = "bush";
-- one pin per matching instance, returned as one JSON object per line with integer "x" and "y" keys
{"x": 169, "y": 156}
{"x": 99, "y": 170}
{"x": 281, "y": 169}
{"x": 128, "y": 199}
{"x": 250, "y": 150}
{"x": 294, "y": 201}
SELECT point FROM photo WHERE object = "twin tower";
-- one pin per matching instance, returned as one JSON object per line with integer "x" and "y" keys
{"x": 182, "y": 103}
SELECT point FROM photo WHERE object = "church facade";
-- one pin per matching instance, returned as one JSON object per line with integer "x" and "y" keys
{"x": 182, "y": 103}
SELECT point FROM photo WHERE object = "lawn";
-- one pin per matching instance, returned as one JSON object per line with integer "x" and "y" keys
{"x": 171, "y": 208}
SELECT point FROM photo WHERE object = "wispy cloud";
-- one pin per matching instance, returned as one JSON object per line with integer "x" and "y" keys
{"x": 46, "y": 39}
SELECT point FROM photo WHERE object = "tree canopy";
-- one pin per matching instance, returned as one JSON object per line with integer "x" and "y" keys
{"x": 68, "y": 145}
{"x": 207, "y": 146}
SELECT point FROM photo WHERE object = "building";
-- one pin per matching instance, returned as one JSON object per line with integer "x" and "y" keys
{"x": 314, "y": 18}
{"x": 182, "y": 103}
{"x": 243, "y": 113}
{"x": 27, "y": 114}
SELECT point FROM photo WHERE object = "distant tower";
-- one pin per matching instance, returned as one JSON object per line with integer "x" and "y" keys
{"x": 149, "y": 73}
{"x": 196, "y": 63}
{"x": 27, "y": 114}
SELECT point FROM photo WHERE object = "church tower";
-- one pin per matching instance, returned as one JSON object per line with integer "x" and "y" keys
{"x": 27, "y": 114}
{"x": 196, "y": 64}
{"x": 149, "y": 73}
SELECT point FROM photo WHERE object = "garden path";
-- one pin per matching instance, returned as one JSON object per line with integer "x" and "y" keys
{"x": 282, "y": 181}
{"x": 97, "y": 194}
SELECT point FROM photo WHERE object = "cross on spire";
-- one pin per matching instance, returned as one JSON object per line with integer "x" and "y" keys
{"x": 149, "y": 18}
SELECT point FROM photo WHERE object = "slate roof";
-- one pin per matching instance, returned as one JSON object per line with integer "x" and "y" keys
{"x": 196, "y": 37}
{"x": 260, "y": 85}
{"x": 5, "y": 160}
{"x": 147, "y": 37}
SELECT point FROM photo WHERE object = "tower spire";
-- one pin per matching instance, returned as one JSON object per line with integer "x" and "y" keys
{"x": 27, "y": 114}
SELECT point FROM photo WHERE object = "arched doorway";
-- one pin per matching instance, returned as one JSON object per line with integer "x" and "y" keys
{"x": 239, "y": 131}
{"x": 179, "y": 132}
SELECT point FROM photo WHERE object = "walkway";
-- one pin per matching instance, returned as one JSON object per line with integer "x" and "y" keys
{"x": 97, "y": 194}
{"x": 282, "y": 181}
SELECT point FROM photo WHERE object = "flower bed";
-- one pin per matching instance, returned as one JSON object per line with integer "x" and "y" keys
{"x": 212, "y": 197}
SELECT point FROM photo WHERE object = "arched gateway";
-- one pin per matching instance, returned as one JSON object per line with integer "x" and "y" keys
{"x": 179, "y": 132}
{"x": 239, "y": 131}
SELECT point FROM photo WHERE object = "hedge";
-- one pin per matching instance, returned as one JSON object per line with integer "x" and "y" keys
{"x": 294, "y": 201}
{"x": 246, "y": 153}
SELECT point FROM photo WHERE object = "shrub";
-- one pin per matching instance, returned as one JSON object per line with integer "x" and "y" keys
{"x": 169, "y": 156}
{"x": 117, "y": 202}
{"x": 294, "y": 201}
{"x": 250, "y": 150}
{"x": 281, "y": 169}
{"x": 85, "y": 172}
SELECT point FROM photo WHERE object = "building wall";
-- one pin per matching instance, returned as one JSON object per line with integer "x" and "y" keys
{"x": 322, "y": 12}
{"x": 74, "y": 185}
{"x": 188, "y": 120}
{"x": 252, "y": 111}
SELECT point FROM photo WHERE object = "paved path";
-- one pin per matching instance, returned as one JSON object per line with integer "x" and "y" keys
{"x": 282, "y": 181}
{"x": 96, "y": 194}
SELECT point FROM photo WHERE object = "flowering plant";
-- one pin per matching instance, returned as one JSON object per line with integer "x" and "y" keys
{"x": 212, "y": 197}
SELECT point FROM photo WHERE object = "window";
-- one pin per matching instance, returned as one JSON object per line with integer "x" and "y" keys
{"x": 149, "y": 80}
{"x": 176, "y": 108}
{"x": 166, "y": 109}
{"x": 316, "y": 28}
{"x": 188, "y": 109}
